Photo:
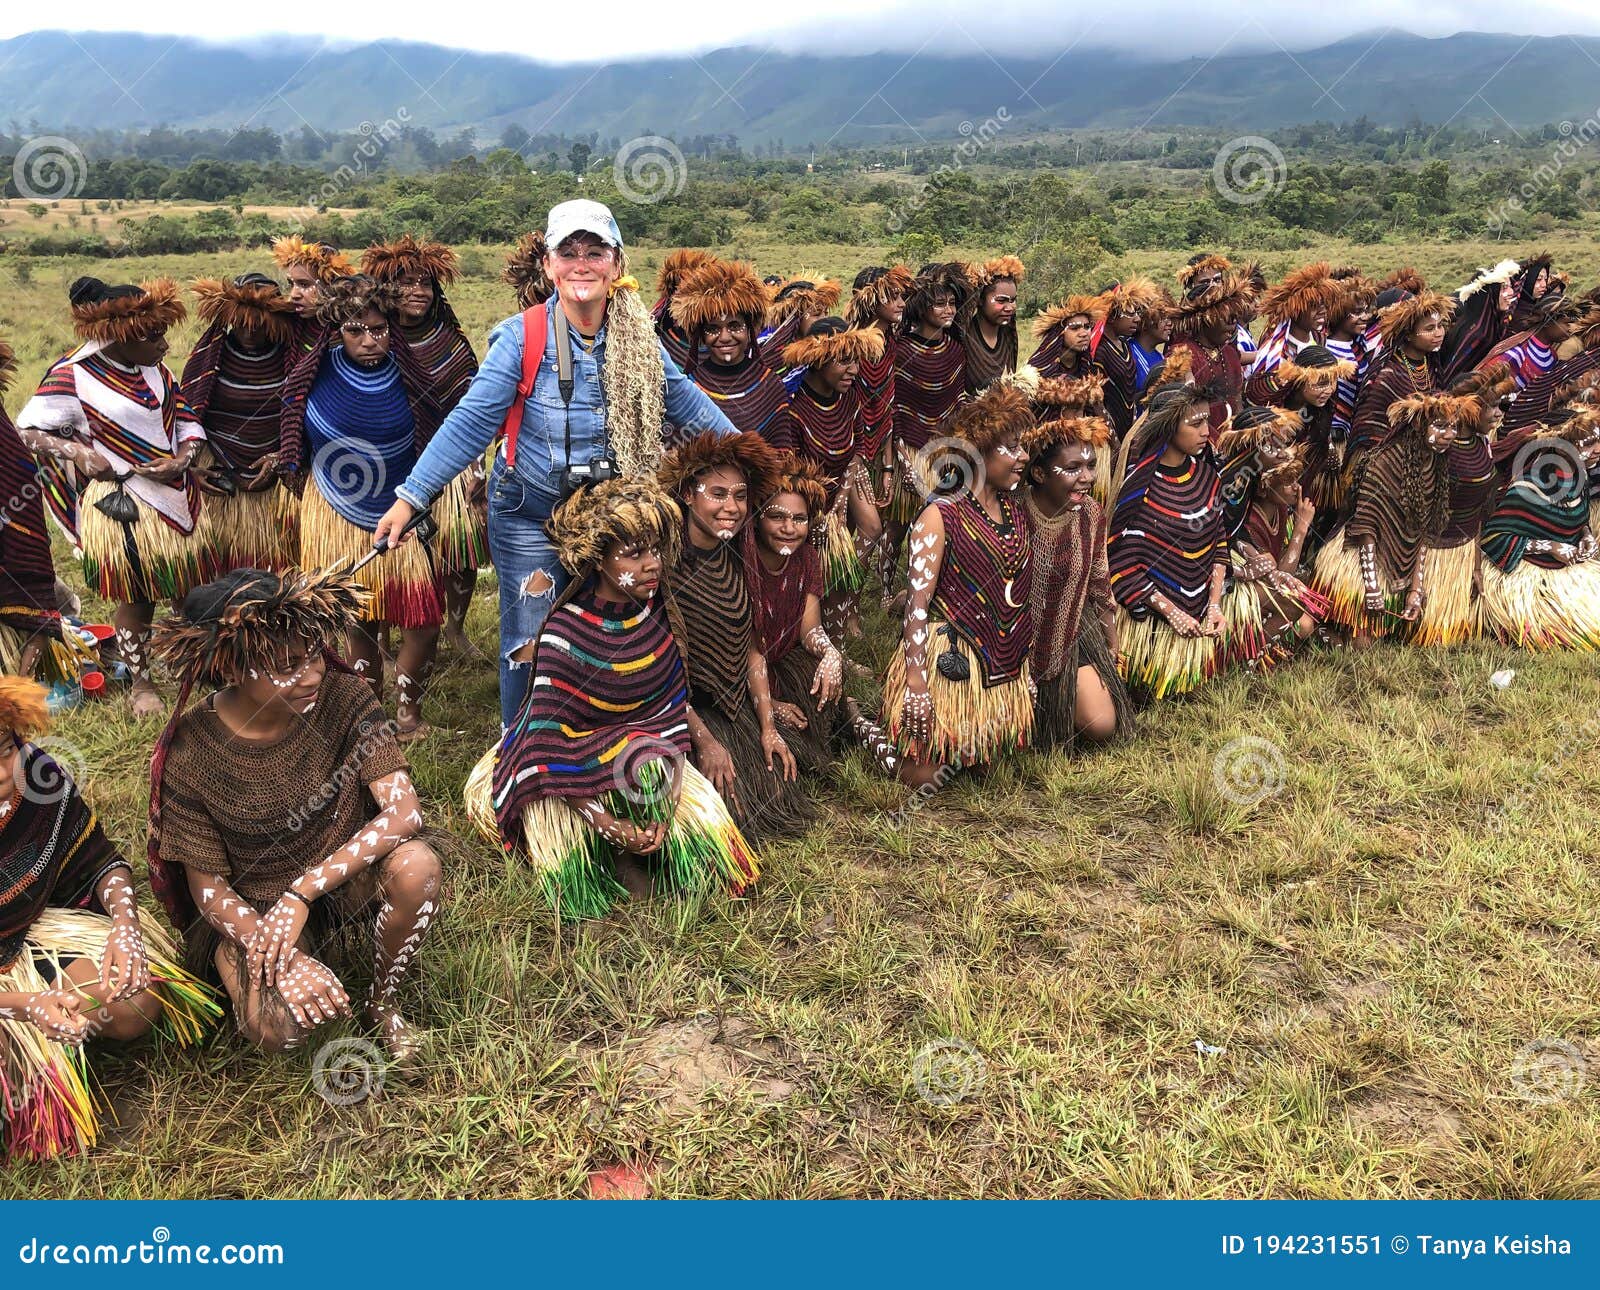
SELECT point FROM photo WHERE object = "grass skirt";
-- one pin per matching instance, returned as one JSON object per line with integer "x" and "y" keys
{"x": 790, "y": 680}
{"x": 47, "y": 1097}
{"x": 1157, "y": 663}
{"x": 463, "y": 541}
{"x": 1450, "y": 615}
{"x": 163, "y": 564}
{"x": 574, "y": 863}
{"x": 1105, "y": 462}
{"x": 61, "y": 658}
{"x": 843, "y": 569}
{"x": 1337, "y": 576}
{"x": 1544, "y": 608}
{"x": 765, "y": 805}
{"x": 252, "y": 531}
{"x": 972, "y": 722}
{"x": 404, "y": 584}
{"x": 1055, "y": 710}
{"x": 908, "y": 499}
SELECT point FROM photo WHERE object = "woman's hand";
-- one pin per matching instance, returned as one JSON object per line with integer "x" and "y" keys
{"x": 1305, "y": 510}
{"x": 788, "y": 714}
{"x": 1415, "y": 600}
{"x": 778, "y": 752}
{"x": 828, "y": 682}
{"x": 1214, "y": 624}
{"x": 312, "y": 993}
{"x": 717, "y": 766}
{"x": 125, "y": 969}
{"x": 58, "y": 1015}
{"x": 263, "y": 473}
{"x": 916, "y": 714}
{"x": 274, "y": 942}
{"x": 643, "y": 840}
{"x": 163, "y": 470}
{"x": 1186, "y": 625}
{"x": 391, "y": 528}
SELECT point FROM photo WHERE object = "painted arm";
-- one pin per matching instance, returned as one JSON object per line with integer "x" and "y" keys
{"x": 779, "y": 759}
{"x": 926, "y": 561}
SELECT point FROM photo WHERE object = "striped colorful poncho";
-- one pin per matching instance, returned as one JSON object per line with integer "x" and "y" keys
{"x": 986, "y": 364}
{"x": 986, "y": 581}
{"x": 1114, "y": 357}
{"x": 1527, "y": 513}
{"x": 445, "y": 355}
{"x": 605, "y": 717}
{"x": 362, "y": 436}
{"x": 1525, "y": 356}
{"x": 1394, "y": 379}
{"x": 1534, "y": 401}
{"x": 27, "y": 575}
{"x": 1145, "y": 362}
{"x": 132, "y": 415}
{"x": 1053, "y": 358}
{"x": 750, "y": 394}
{"x": 1168, "y": 532}
{"x": 237, "y": 395}
{"x": 875, "y": 389}
{"x": 929, "y": 380}
{"x": 1541, "y": 599}
{"x": 1344, "y": 393}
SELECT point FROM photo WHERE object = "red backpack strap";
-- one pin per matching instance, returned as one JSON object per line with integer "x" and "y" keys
{"x": 533, "y": 325}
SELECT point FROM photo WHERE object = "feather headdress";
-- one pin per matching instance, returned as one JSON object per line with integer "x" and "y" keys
{"x": 245, "y": 304}
{"x": 24, "y": 711}
{"x": 1301, "y": 293}
{"x": 524, "y": 271}
{"x": 389, "y": 261}
{"x": 861, "y": 344}
{"x": 1396, "y": 322}
{"x": 756, "y": 459}
{"x": 626, "y": 510}
{"x": 718, "y": 289}
{"x": 326, "y": 262}
{"x": 116, "y": 315}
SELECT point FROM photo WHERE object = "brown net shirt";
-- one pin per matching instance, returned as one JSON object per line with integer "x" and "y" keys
{"x": 261, "y": 814}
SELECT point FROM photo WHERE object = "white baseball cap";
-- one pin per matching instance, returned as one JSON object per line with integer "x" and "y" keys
{"x": 581, "y": 215}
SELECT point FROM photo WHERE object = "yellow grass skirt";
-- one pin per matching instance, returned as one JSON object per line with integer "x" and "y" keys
{"x": 1158, "y": 663}
{"x": 1337, "y": 575}
{"x": 163, "y": 563}
{"x": 843, "y": 567}
{"x": 1105, "y": 462}
{"x": 1544, "y": 608}
{"x": 574, "y": 863}
{"x": 403, "y": 582}
{"x": 48, "y": 1105}
{"x": 1450, "y": 614}
{"x": 463, "y": 541}
{"x": 253, "y": 530}
{"x": 972, "y": 722}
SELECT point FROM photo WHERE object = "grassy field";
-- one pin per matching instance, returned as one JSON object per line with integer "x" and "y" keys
{"x": 1329, "y": 932}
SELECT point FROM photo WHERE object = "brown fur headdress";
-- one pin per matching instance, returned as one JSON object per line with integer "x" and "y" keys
{"x": 1406, "y": 279}
{"x": 241, "y": 304}
{"x": 1203, "y": 267}
{"x": 1225, "y": 301}
{"x": 676, "y": 266}
{"x": 1001, "y": 411}
{"x": 1399, "y": 320}
{"x": 1137, "y": 294}
{"x": 261, "y": 616}
{"x": 1177, "y": 368}
{"x": 1052, "y": 319}
{"x": 989, "y": 272}
{"x": 627, "y": 510}
{"x": 1355, "y": 293}
{"x": 1253, "y": 426}
{"x": 880, "y": 284}
{"x": 323, "y": 260}
{"x": 24, "y": 711}
{"x": 1577, "y": 425}
{"x": 115, "y": 315}
{"x": 750, "y": 454}
{"x": 1291, "y": 374}
{"x": 803, "y": 295}
{"x": 804, "y": 478}
{"x": 862, "y": 344}
{"x": 389, "y": 261}
{"x": 1490, "y": 386}
{"x": 525, "y": 273}
{"x": 1301, "y": 292}
{"x": 8, "y": 366}
{"x": 1428, "y": 409}
{"x": 718, "y": 289}
{"x": 1070, "y": 395}
{"x": 1094, "y": 431}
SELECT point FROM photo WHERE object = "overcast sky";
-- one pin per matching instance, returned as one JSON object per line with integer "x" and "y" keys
{"x": 630, "y": 28}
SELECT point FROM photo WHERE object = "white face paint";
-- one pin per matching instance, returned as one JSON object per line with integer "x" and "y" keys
{"x": 625, "y": 579}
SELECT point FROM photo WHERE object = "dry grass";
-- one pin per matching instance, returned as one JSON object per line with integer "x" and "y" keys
{"x": 1369, "y": 945}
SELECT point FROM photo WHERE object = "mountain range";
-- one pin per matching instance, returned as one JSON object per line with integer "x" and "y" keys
{"x": 62, "y": 80}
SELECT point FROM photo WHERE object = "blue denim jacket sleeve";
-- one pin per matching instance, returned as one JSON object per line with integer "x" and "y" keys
{"x": 470, "y": 428}
{"x": 688, "y": 406}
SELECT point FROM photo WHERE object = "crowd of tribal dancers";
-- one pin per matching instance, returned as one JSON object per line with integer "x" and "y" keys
{"x": 688, "y": 507}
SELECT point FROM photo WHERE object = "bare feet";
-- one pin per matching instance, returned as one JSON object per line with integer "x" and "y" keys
{"x": 399, "y": 1039}
{"x": 633, "y": 875}
{"x": 145, "y": 700}
{"x": 410, "y": 732}
{"x": 455, "y": 636}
